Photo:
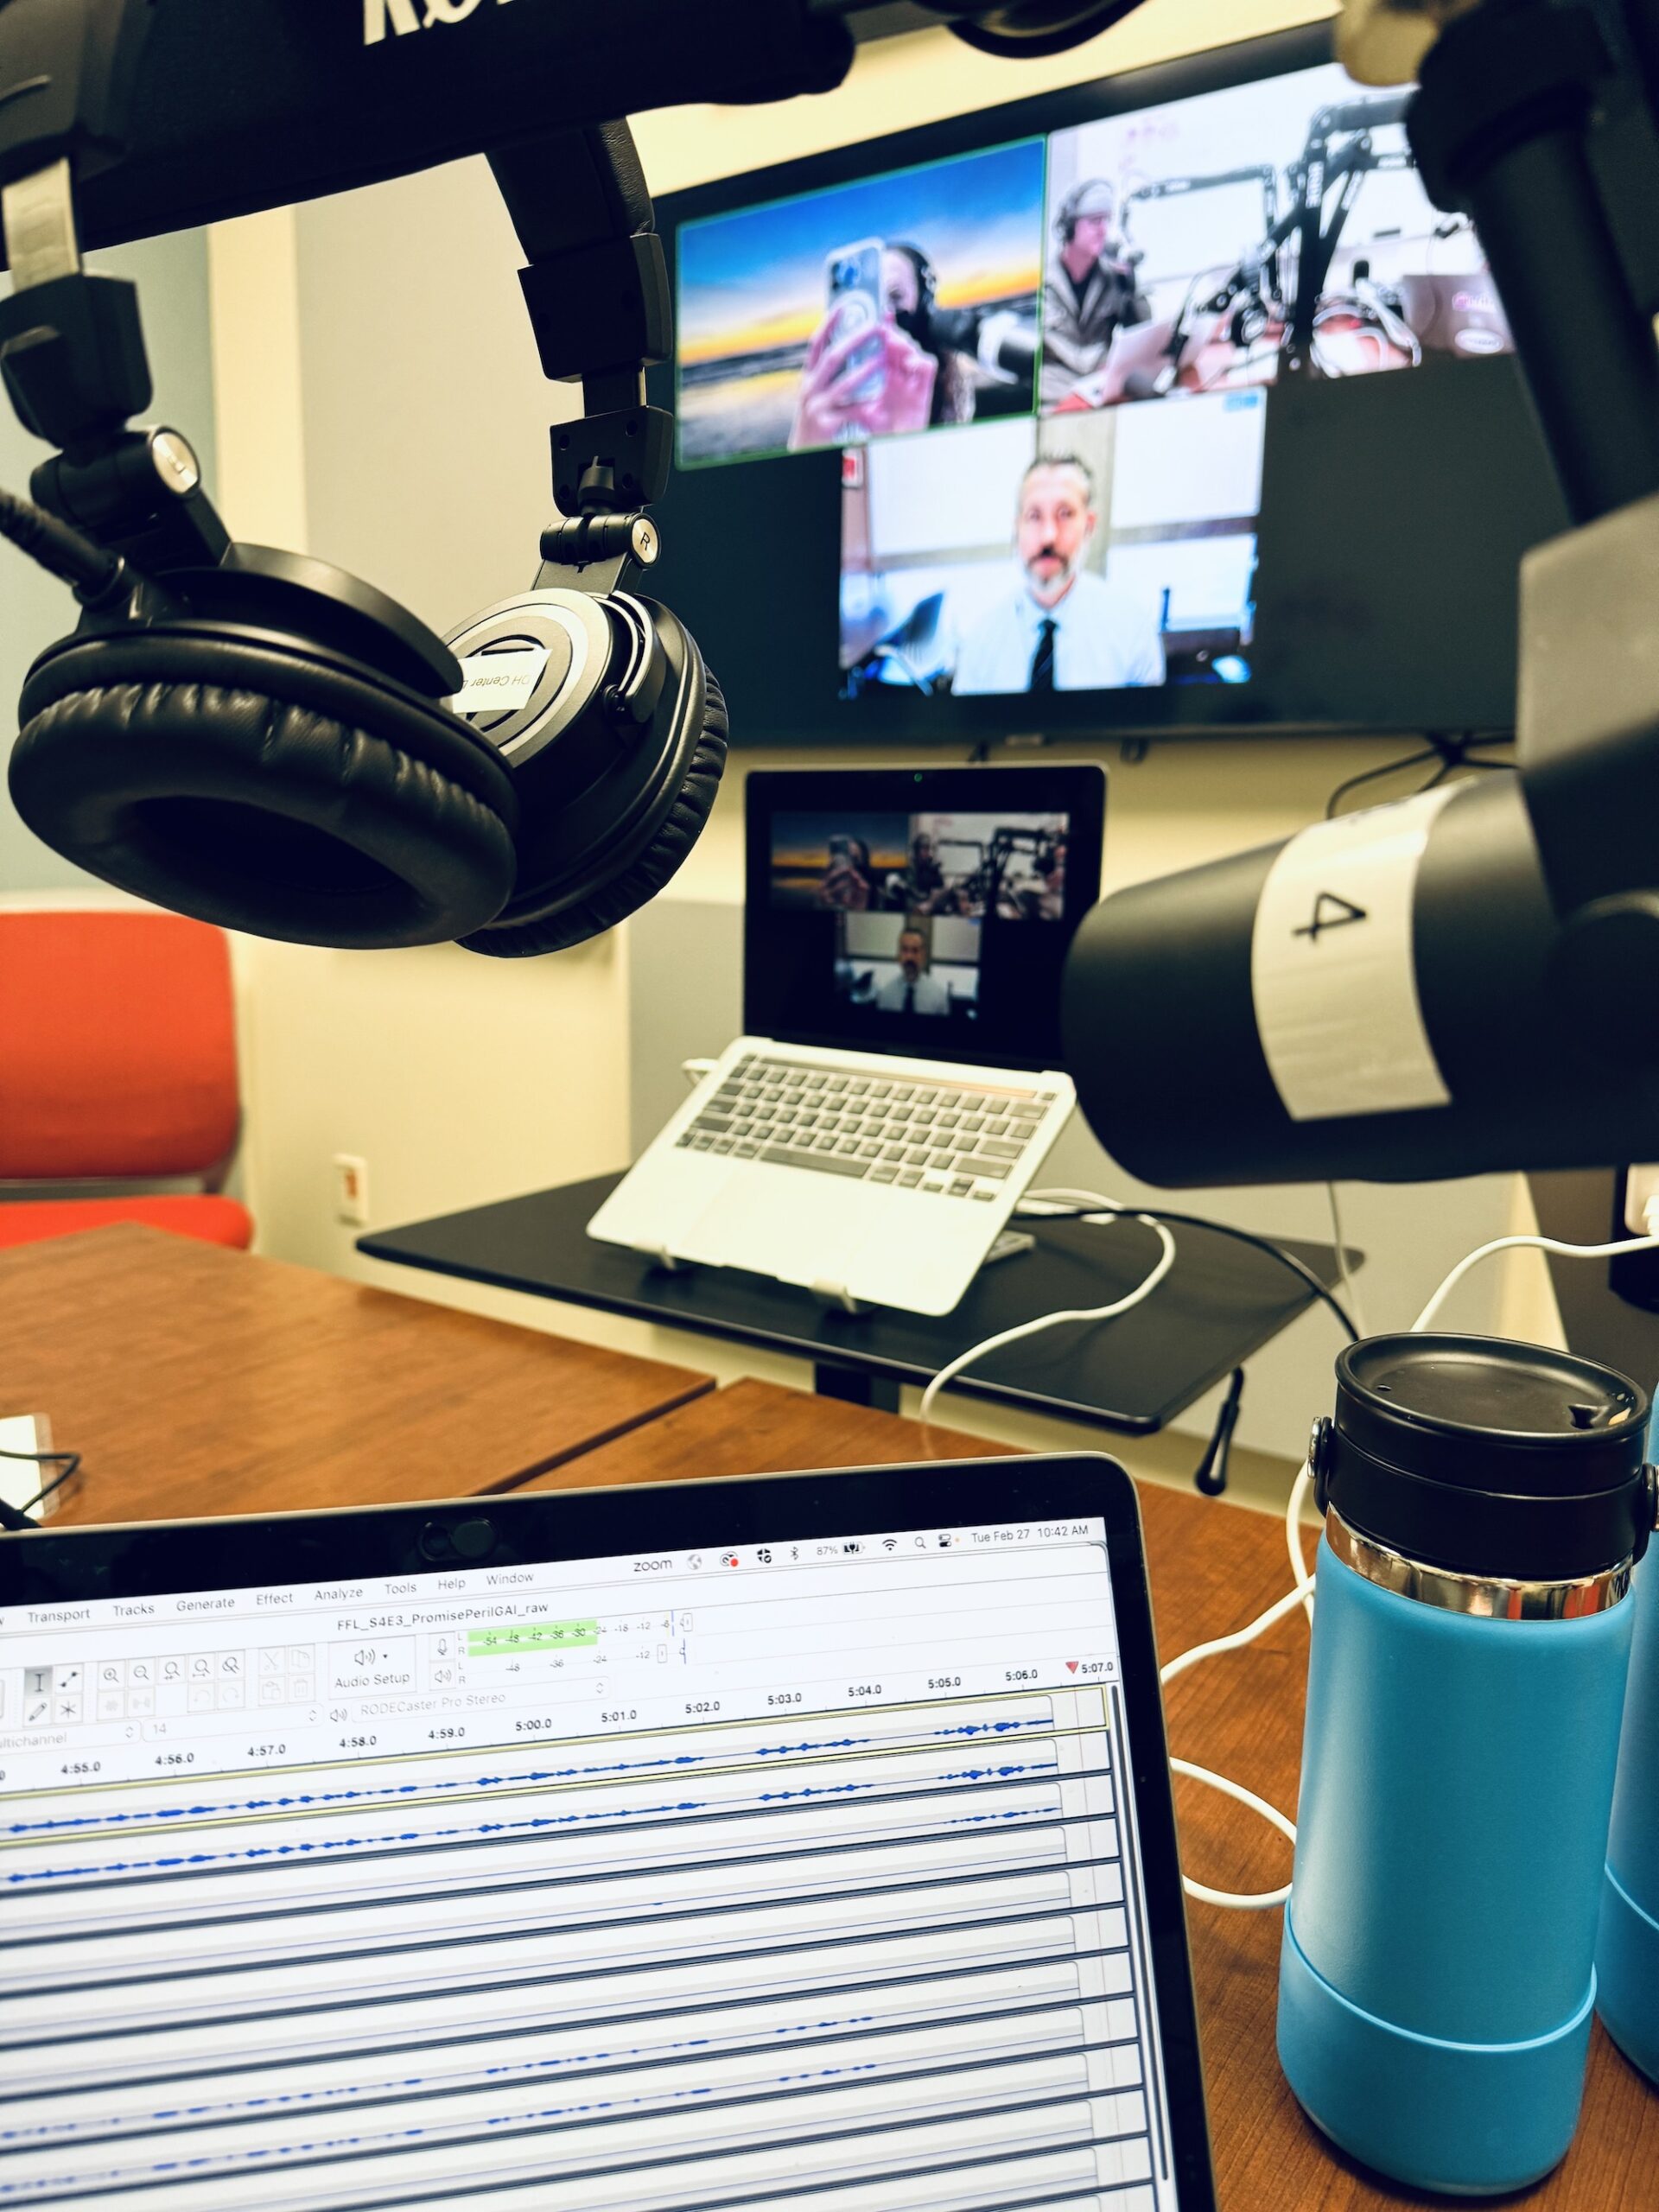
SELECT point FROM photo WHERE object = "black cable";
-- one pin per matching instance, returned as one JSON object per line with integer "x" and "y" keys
{"x": 1298, "y": 1268}
{"x": 57, "y": 1481}
{"x": 1372, "y": 775}
{"x": 77, "y": 560}
{"x": 1448, "y": 752}
{"x": 70, "y": 1462}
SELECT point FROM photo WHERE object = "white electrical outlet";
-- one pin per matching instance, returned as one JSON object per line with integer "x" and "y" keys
{"x": 351, "y": 1189}
{"x": 1641, "y": 1190}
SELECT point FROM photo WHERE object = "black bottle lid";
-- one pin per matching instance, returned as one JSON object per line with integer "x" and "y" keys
{"x": 1490, "y": 1457}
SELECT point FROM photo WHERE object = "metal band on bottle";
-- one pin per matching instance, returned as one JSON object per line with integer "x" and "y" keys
{"x": 1481, "y": 1596}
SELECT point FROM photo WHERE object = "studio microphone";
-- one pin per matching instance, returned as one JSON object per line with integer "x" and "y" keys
{"x": 1007, "y": 346}
{"x": 1382, "y": 997}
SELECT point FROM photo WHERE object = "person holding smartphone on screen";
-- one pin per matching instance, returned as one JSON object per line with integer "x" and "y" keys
{"x": 880, "y": 361}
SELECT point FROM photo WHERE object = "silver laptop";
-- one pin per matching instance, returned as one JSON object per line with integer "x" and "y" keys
{"x": 903, "y": 936}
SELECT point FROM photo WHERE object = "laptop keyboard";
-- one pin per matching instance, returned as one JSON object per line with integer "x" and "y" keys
{"x": 955, "y": 1140}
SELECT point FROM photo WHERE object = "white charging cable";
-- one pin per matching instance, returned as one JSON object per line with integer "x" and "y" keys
{"x": 1301, "y": 1572}
{"x": 1112, "y": 1211}
{"x": 1257, "y": 1901}
{"x": 1143, "y": 1289}
{"x": 1300, "y": 1593}
{"x": 1648, "y": 1244}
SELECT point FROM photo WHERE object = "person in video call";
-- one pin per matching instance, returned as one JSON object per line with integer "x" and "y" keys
{"x": 914, "y": 889}
{"x": 847, "y": 884}
{"x": 1060, "y": 627}
{"x": 922, "y": 379}
{"x": 1091, "y": 291}
{"x": 912, "y": 990}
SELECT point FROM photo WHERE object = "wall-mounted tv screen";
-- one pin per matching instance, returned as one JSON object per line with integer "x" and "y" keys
{"x": 1164, "y": 403}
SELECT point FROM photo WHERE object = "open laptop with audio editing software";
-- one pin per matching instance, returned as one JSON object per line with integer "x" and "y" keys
{"x": 897, "y": 1084}
{"x": 799, "y": 1844}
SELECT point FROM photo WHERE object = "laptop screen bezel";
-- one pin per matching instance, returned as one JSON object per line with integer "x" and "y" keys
{"x": 1076, "y": 791}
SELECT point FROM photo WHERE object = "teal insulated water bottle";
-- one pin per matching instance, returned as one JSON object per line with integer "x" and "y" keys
{"x": 1627, "y": 1950}
{"x": 1484, "y": 1503}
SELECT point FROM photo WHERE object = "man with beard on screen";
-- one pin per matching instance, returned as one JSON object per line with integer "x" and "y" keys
{"x": 1059, "y": 627}
{"x": 912, "y": 990}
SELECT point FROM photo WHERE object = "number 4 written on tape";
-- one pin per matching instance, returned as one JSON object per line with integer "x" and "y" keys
{"x": 1331, "y": 911}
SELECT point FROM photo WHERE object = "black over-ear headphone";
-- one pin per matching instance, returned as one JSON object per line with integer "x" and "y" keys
{"x": 261, "y": 740}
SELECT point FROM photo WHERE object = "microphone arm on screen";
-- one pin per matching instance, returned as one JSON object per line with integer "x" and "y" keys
{"x": 905, "y": 666}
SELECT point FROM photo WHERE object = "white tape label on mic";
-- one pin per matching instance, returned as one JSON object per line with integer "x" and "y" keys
{"x": 1333, "y": 967}
{"x": 499, "y": 683}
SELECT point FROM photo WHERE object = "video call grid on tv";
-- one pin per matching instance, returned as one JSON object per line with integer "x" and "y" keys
{"x": 989, "y": 338}
{"x": 913, "y": 896}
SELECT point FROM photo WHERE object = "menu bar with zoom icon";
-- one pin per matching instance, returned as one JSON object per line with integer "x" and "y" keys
{"x": 381, "y": 1668}
{"x": 480, "y": 1584}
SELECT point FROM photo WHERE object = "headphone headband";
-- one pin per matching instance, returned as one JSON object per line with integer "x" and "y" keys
{"x": 596, "y": 287}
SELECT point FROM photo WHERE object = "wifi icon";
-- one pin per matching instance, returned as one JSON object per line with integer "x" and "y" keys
{"x": 889, "y": 1543}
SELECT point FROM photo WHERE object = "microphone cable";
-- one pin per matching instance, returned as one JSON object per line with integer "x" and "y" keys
{"x": 93, "y": 573}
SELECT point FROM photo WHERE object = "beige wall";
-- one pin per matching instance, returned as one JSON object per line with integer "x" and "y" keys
{"x": 351, "y": 339}
{"x": 380, "y": 402}
{"x": 899, "y": 83}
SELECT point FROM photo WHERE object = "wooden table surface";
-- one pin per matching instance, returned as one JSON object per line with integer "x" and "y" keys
{"x": 1213, "y": 1566}
{"x": 195, "y": 1380}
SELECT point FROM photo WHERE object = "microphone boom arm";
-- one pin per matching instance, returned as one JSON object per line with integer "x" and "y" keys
{"x": 178, "y": 112}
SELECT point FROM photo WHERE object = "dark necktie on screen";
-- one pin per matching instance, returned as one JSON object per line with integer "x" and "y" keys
{"x": 910, "y": 998}
{"x": 1042, "y": 661}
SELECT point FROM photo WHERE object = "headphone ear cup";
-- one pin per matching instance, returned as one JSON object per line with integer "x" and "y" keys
{"x": 645, "y": 875}
{"x": 264, "y": 790}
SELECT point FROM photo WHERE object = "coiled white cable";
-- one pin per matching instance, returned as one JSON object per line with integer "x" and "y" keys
{"x": 1298, "y": 1594}
{"x": 1216, "y": 1645}
{"x": 1264, "y": 1900}
{"x": 1259, "y": 1900}
{"x": 1301, "y": 1591}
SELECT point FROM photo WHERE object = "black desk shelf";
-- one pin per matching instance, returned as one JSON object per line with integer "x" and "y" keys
{"x": 1220, "y": 1302}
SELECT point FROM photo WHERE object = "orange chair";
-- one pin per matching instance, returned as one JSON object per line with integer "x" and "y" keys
{"x": 118, "y": 1065}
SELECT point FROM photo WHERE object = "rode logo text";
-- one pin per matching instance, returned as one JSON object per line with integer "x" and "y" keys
{"x": 398, "y": 17}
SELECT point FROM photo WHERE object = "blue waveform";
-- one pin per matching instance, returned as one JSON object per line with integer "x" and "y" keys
{"x": 262, "y": 1853}
{"x": 298, "y": 1799}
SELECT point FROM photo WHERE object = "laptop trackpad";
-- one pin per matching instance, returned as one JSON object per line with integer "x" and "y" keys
{"x": 788, "y": 1224}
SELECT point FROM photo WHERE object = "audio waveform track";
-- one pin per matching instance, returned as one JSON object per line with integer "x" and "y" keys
{"x": 863, "y": 1962}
